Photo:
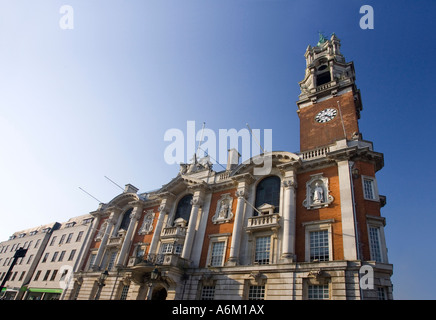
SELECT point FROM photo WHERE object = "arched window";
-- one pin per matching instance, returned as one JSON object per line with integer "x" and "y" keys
{"x": 268, "y": 192}
{"x": 126, "y": 219}
{"x": 184, "y": 208}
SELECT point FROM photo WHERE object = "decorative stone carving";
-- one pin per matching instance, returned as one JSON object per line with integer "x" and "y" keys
{"x": 147, "y": 224}
{"x": 289, "y": 183}
{"x": 102, "y": 230}
{"x": 223, "y": 211}
{"x": 317, "y": 192}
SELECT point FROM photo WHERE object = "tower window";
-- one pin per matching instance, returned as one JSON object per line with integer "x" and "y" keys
{"x": 323, "y": 78}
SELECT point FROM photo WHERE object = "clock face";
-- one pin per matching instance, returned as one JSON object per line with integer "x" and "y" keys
{"x": 326, "y": 115}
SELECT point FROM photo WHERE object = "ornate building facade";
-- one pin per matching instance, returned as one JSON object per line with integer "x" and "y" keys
{"x": 310, "y": 229}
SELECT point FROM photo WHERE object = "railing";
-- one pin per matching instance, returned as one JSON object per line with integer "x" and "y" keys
{"x": 224, "y": 175}
{"x": 315, "y": 153}
{"x": 156, "y": 260}
{"x": 171, "y": 232}
{"x": 115, "y": 241}
{"x": 324, "y": 86}
{"x": 263, "y": 221}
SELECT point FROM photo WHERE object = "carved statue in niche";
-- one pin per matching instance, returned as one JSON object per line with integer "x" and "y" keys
{"x": 223, "y": 211}
{"x": 317, "y": 192}
{"x": 147, "y": 224}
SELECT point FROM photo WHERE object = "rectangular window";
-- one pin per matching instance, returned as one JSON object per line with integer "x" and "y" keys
{"x": 166, "y": 248}
{"x": 71, "y": 257}
{"x": 374, "y": 242}
{"x": 124, "y": 292}
{"x": 63, "y": 275}
{"x": 45, "y": 257}
{"x": 92, "y": 260}
{"x": 318, "y": 292}
{"x": 53, "y": 276}
{"x": 13, "y": 276}
{"x": 70, "y": 236}
{"x": 256, "y": 293}
{"x": 112, "y": 258}
{"x": 30, "y": 259}
{"x": 22, "y": 276}
{"x": 46, "y": 275}
{"x": 381, "y": 293}
{"x": 217, "y": 254}
{"x": 61, "y": 256}
{"x": 53, "y": 259}
{"x": 37, "y": 275}
{"x": 319, "y": 245}
{"x": 262, "y": 253}
{"x": 368, "y": 189}
{"x": 178, "y": 248}
{"x": 52, "y": 241}
{"x": 207, "y": 293}
{"x": 76, "y": 292}
{"x": 79, "y": 236}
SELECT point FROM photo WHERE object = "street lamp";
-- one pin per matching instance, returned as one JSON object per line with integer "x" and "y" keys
{"x": 101, "y": 283}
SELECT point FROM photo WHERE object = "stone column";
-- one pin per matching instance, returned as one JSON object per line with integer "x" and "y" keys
{"x": 113, "y": 218}
{"x": 289, "y": 217}
{"x": 241, "y": 193}
{"x": 192, "y": 224}
{"x": 134, "y": 217}
{"x": 347, "y": 210}
{"x": 163, "y": 210}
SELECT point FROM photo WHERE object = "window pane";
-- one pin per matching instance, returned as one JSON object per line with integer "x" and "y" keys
{"x": 256, "y": 293}
{"x": 268, "y": 191}
{"x": 184, "y": 208}
{"x": 319, "y": 245}
{"x": 368, "y": 188}
{"x": 217, "y": 254}
{"x": 124, "y": 292}
{"x": 374, "y": 239}
{"x": 318, "y": 292}
{"x": 126, "y": 220}
{"x": 207, "y": 293}
{"x": 263, "y": 246}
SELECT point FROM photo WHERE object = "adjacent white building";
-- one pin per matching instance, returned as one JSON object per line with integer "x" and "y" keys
{"x": 35, "y": 241}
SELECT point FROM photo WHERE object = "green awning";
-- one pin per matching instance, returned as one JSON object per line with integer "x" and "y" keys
{"x": 45, "y": 290}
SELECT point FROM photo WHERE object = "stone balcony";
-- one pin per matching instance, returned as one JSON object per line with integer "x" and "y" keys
{"x": 263, "y": 222}
{"x": 173, "y": 232}
{"x": 115, "y": 241}
{"x": 156, "y": 260}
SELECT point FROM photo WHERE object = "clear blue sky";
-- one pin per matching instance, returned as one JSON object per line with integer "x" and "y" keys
{"x": 76, "y": 105}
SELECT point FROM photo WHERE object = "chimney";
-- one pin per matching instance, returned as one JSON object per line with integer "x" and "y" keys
{"x": 130, "y": 189}
{"x": 232, "y": 159}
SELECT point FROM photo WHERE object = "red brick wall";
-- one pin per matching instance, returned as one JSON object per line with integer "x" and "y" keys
{"x": 212, "y": 228}
{"x": 314, "y": 134}
{"x": 333, "y": 211}
{"x": 147, "y": 237}
{"x": 364, "y": 207}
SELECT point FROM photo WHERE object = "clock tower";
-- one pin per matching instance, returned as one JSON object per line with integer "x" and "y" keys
{"x": 329, "y": 104}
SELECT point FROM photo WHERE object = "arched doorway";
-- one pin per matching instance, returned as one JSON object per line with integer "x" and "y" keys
{"x": 159, "y": 293}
